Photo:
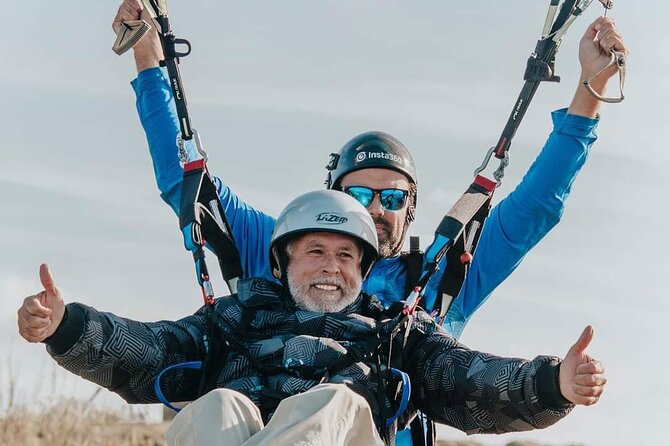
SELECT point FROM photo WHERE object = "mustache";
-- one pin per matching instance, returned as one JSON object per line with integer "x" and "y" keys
{"x": 380, "y": 221}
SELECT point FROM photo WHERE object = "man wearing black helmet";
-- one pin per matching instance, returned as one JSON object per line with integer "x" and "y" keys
{"x": 276, "y": 359}
{"x": 377, "y": 165}
{"x": 378, "y": 170}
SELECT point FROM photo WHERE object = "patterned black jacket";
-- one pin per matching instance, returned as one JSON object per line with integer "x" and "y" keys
{"x": 265, "y": 347}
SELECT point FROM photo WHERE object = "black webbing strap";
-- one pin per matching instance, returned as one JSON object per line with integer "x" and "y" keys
{"x": 202, "y": 221}
{"x": 159, "y": 10}
{"x": 454, "y": 223}
{"x": 459, "y": 258}
{"x": 201, "y": 217}
{"x": 540, "y": 65}
{"x": 413, "y": 262}
{"x": 466, "y": 207}
{"x": 422, "y": 430}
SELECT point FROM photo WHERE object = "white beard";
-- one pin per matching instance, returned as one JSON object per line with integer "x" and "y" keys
{"x": 311, "y": 299}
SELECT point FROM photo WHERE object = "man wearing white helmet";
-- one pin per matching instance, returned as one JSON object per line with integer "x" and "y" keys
{"x": 311, "y": 366}
{"x": 378, "y": 170}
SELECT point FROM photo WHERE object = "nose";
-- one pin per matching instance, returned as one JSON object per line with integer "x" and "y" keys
{"x": 330, "y": 265}
{"x": 375, "y": 208}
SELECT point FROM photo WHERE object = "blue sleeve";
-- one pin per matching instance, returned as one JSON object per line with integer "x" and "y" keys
{"x": 251, "y": 228}
{"x": 526, "y": 215}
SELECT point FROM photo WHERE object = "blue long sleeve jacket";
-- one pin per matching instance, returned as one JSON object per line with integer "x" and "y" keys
{"x": 515, "y": 225}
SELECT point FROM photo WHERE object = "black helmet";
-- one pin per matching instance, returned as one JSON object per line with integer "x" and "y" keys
{"x": 370, "y": 149}
{"x": 374, "y": 149}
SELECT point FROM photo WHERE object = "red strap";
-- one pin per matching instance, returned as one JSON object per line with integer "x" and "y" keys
{"x": 194, "y": 165}
{"x": 484, "y": 182}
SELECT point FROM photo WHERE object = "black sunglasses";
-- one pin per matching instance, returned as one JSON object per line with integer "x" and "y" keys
{"x": 390, "y": 199}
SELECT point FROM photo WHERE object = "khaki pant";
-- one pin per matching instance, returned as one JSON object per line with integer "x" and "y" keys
{"x": 327, "y": 415}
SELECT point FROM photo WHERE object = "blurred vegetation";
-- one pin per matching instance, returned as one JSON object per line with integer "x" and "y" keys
{"x": 55, "y": 420}
{"x": 70, "y": 422}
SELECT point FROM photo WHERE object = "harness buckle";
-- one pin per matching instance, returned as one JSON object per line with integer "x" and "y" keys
{"x": 539, "y": 70}
{"x": 607, "y": 4}
{"x": 412, "y": 301}
{"x": 182, "y": 152}
{"x": 293, "y": 363}
{"x": 207, "y": 291}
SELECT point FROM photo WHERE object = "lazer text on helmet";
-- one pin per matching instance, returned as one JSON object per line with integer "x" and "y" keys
{"x": 331, "y": 218}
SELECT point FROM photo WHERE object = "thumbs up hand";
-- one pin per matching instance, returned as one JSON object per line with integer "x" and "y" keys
{"x": 41, "y": 314}
{"x": 581, "y": 378}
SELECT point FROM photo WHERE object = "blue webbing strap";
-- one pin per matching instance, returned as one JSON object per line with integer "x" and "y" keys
{"x": 195, "y": 365}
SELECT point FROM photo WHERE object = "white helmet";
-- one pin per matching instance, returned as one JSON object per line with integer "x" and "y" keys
{"x": 326, "y": 211}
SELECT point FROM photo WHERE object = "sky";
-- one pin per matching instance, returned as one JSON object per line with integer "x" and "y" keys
{"x": 274, "y": 87}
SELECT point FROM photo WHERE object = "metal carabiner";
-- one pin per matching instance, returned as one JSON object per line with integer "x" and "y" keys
{"x": 485, "y": 162}
{"x": 499, "y": 173}
{"x": 617, "y": 58}
{"x": 198, "y": 145}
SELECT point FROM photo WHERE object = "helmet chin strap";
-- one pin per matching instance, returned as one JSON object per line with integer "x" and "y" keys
{"x": 280, "y": 271}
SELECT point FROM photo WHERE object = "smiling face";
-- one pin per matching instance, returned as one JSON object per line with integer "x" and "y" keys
{"x": 324, "y": 271}
{"x": 390, "y": 225}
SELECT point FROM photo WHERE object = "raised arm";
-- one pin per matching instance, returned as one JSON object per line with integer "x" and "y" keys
{"x": 156, "y": 108}
{"x": 527, "y": 214}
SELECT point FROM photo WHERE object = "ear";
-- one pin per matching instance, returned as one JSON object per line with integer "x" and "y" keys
{"x": 276, "y": 271}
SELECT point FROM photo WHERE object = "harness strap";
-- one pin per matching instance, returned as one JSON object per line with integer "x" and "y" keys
{"x": 477, "y": 195}
{"x": 366, "y": 350}
{"x": 457, "y": 235}
{"x": 413, "y": 262}
{"x": 476, "y": 201}
{"x": 460, "y": 256}
{"x": 422, "y": 430}
{"x": 540, "y": 65}
{"x": 201, "y": 219}
{"x": 159, "y": 12}
{"x": 194, "y": 365}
